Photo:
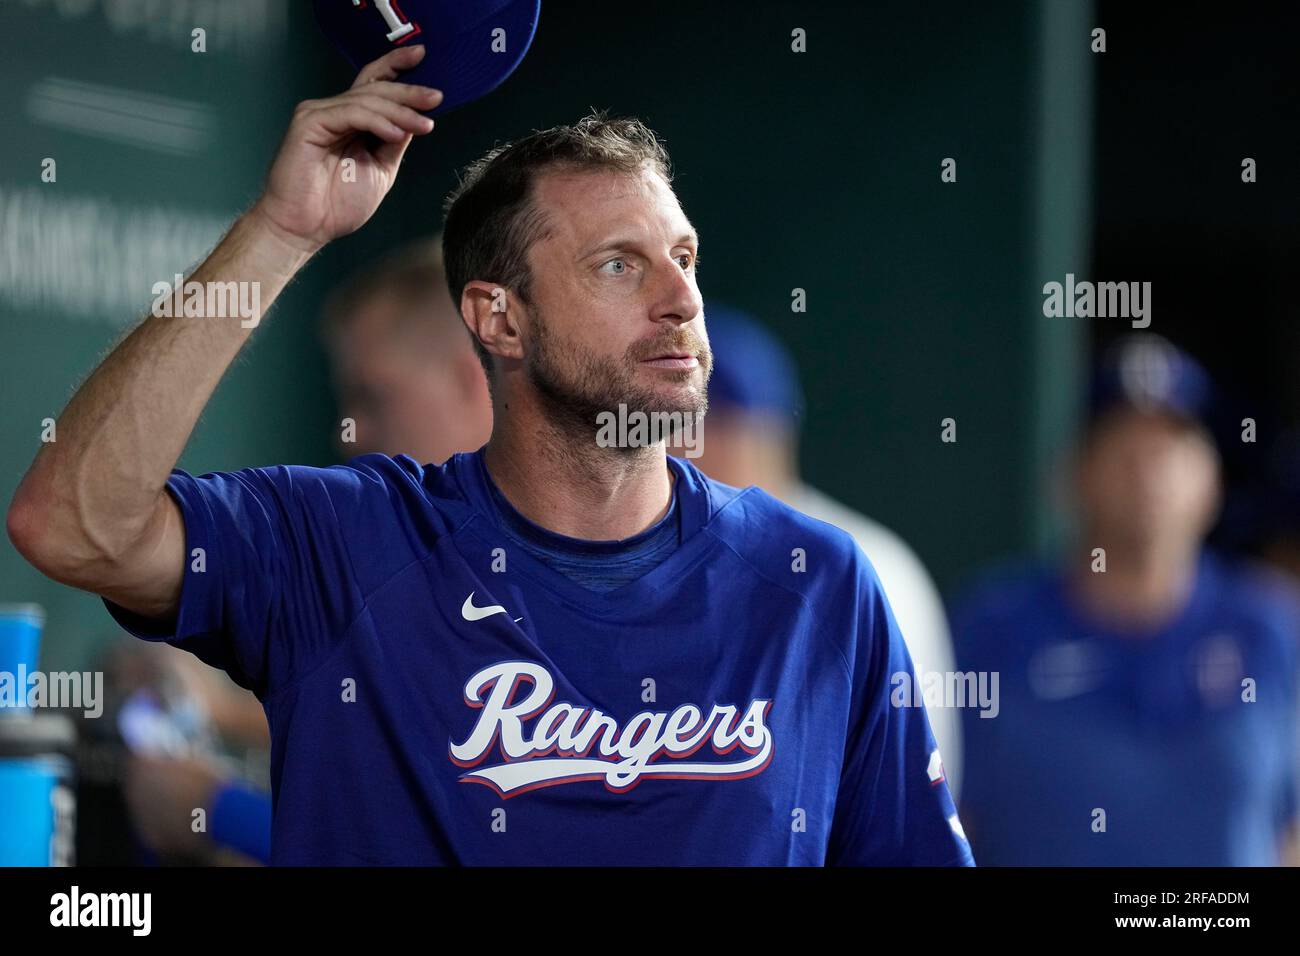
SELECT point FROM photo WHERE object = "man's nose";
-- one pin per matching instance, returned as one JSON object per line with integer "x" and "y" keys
{"x": 678, "y": 299}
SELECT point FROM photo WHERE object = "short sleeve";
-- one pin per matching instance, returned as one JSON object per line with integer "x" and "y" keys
{"x": 893, "y": 806}
{"x": 269, "y": 586}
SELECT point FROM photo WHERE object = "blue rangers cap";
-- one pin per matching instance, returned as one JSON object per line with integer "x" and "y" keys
{"x": 471, "y": 46}
{"x": 1149, "y": 373}
{"x": 752, "y": 371}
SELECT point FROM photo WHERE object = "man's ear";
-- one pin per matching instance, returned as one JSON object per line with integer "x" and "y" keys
{"x": 491, "y": 313}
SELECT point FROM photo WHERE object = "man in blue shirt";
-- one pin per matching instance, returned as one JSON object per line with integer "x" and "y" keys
{"x": 554, "y": 650}
{"x": 1147, "y": 687}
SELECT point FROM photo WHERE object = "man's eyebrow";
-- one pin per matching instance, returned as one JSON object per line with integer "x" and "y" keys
{"x": 691, "y": 238}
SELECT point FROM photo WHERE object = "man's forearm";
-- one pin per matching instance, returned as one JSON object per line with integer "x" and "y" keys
{"x": 92, "y": 511}
{"x": 95, "y": 488}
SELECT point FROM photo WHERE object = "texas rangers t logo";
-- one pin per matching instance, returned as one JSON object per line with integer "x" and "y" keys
{"x": 400, "y": 29}
{"x": 623, "y": 755}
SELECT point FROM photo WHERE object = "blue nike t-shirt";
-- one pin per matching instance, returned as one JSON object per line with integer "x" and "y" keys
{"x": 596, "y": 565}
{"x": 438, "y": 695}
{"x": 1171, "y": 748}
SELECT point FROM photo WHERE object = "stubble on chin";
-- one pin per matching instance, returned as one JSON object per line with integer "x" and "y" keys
{"x": 577, "y": 385}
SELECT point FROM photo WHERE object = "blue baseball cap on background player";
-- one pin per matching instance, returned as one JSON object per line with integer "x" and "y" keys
{"x": 752, "y": 371}
{"x": 465, "y": 55}
{"x": 1149, "y": 373}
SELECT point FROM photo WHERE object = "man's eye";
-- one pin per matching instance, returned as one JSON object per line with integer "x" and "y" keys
{"x": 688, "y": 260}
{"x": 615, "y": 272}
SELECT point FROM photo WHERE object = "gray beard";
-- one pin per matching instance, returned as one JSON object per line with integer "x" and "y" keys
{"x": 576, "y": 385}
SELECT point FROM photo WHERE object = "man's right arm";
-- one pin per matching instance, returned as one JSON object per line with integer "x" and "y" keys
{"x": 92, "y": 511}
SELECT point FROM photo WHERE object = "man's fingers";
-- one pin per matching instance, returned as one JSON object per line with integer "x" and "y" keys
{"x": 350, "y": 117}
{"x": 397, "y": 114}
{"x": 400, "y": 94}
{"x": 416, "y": 97}
{"x": 389, "y": 65}
{"x": 390, "y": 155}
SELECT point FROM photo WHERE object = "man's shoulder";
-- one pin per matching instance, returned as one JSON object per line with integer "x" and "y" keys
{"x": 1251, "y": 585}
{"x": 1264, "y": 602}
{"x": 366, "y": 473}
{"x": 437, "y": 484}
{"x": 773, "y": 536}
{"x": 810, "y": 501}
{"x": 367, "y": 496}
{"x": 396, "y": 469}
{"x": 891, "y": 556}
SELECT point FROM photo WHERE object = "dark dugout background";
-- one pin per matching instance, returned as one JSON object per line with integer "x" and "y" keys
{"x": 818, "y": 171}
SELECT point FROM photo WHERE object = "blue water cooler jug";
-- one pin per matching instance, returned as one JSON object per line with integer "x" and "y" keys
{"x": 37, "y": 795}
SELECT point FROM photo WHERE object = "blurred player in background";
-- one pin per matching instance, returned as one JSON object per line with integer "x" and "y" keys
{"x": 403, "y": 365}
{"x": 752, "y": 437}
{"x": 179, "y": 737}
{"x": 1147, "y": 687}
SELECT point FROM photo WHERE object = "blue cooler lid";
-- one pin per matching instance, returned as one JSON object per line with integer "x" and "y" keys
{"x": 32, "y": 614}
{"x": 37, "y": 735}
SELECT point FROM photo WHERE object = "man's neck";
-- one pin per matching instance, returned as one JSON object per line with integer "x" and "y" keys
{"x": 567, "y": 484}
{"x": 1141, "y": 589}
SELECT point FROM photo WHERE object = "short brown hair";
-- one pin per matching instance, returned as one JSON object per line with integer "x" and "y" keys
{"x": 490, "y": 219}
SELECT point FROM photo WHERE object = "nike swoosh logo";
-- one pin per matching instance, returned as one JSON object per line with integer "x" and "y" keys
{"x": 471, "y": 613}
